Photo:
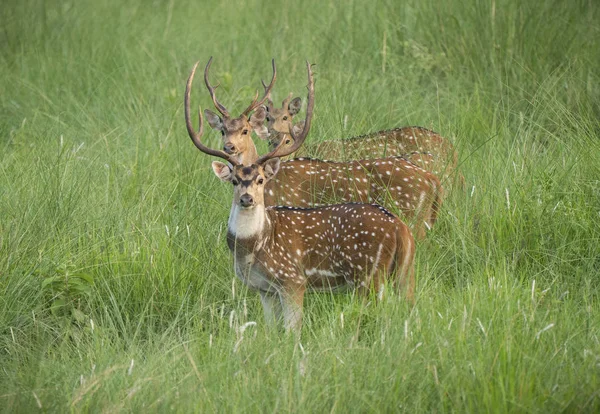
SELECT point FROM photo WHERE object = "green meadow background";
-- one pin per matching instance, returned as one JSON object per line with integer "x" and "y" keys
{"x": 117, "y": 290}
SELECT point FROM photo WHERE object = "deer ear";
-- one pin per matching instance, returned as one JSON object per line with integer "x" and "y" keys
{"x": 271, "y": 167}
{"x": 213, "y": 119}
{"x": 297, "y": 128}
{"x": 269, "y": 105}
{"x": 257, "y": 122}
{"x": 222, "y": 171}
{"x": 294, "y": 106}
{"x": 259, "y": 115}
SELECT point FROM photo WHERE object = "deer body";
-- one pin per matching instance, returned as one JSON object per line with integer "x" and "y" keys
{"x": 386, "y": 143}
{"x": 393, "y": 182}
{"x": 423, "y": 147}
{"x": 396, "y": 182}
{"x": 335, "y": 248}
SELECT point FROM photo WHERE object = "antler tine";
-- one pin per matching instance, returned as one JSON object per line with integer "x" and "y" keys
{"x": 298, "y": 140}
{"x": 255, "y": 104}
{"x": 195, "y": 136}
{"x": 252, "y": 104}
{"x": 266, "y": 88}
{"x": 269, "y": 103}
{"x": 211, "y": 90}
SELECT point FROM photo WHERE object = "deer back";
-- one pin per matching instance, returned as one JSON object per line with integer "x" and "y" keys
{"x": 441, "y": 161}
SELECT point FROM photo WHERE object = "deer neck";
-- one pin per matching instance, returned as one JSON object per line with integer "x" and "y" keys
{"x": 249, "y": 156}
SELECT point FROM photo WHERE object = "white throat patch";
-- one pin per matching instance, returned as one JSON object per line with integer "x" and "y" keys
{"x": 246, "y": 223}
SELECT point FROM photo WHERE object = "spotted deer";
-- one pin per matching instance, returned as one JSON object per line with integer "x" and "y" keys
{"x": 279, "y": 120}
{"x": 284, "y": 251}
{"x": 422, "y": 146}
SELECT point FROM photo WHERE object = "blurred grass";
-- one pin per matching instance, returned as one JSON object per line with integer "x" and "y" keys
{"x": 98, "y": 177}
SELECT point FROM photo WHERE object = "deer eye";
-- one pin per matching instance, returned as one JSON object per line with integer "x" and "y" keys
{"x": 285, "y": 118}
{"x": 260, "y": 181}
{"x": 235, "y": 182}
{"x": 287, "y": 141}
{"x": 245, "y": 132}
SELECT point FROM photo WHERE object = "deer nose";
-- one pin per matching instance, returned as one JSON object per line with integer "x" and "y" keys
{"x": 246, "y": 200}
{"x": 229, "y": 148}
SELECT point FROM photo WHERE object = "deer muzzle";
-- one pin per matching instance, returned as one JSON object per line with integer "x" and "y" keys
{"x": 246, "y": 200}
{"x": 229, "y": 148}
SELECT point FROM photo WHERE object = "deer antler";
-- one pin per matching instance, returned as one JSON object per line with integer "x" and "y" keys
{"x": 211, "y": 90}
{"x": 269, "y": 103}
{"x": 195, "y": 136}
{"x": 255, "y": 104}
{"x": 266, "y": 88}
{"x": 298, "y": 139}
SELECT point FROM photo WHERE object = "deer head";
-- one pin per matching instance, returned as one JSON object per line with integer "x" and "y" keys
{"x": 248, "y": 181}
{"x": 236, "y": 132}
{"x": 278, "y": 121}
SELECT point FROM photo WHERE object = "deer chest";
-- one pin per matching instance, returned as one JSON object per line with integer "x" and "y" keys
{"x": 254, "y": 275}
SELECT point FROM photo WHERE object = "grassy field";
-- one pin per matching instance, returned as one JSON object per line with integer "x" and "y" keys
{"x": 117, "y": 290}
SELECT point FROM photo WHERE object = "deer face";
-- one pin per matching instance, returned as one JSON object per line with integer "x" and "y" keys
{"x": 248, "y": 181}
{"x": 235, "y": 133}
{"x": 280, "y": 119}
{"x": 278, "y": 122}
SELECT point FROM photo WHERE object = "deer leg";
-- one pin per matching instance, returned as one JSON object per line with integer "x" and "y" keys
{"x": 291, "y": 302}
{"x": 379, "y": 279}
{"x": 378, "y": 274}
{"x": 423, "y": 216}
{"x": 405, "y": 269}
{"x": 436, "y": 201}
{"x": 271, "y": 307}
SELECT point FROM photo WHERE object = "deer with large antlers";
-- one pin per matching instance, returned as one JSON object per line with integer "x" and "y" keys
{"x": 424, "y": 147}
{"x": 236, "y": 132}
{"x": 283, "y": 251}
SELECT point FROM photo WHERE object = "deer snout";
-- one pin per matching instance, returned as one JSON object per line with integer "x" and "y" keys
{"x": 229, "y": 148}
{"x": 246, "y": 200}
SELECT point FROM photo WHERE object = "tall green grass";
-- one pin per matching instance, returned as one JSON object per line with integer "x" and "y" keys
{"x": 117, "y": 290}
